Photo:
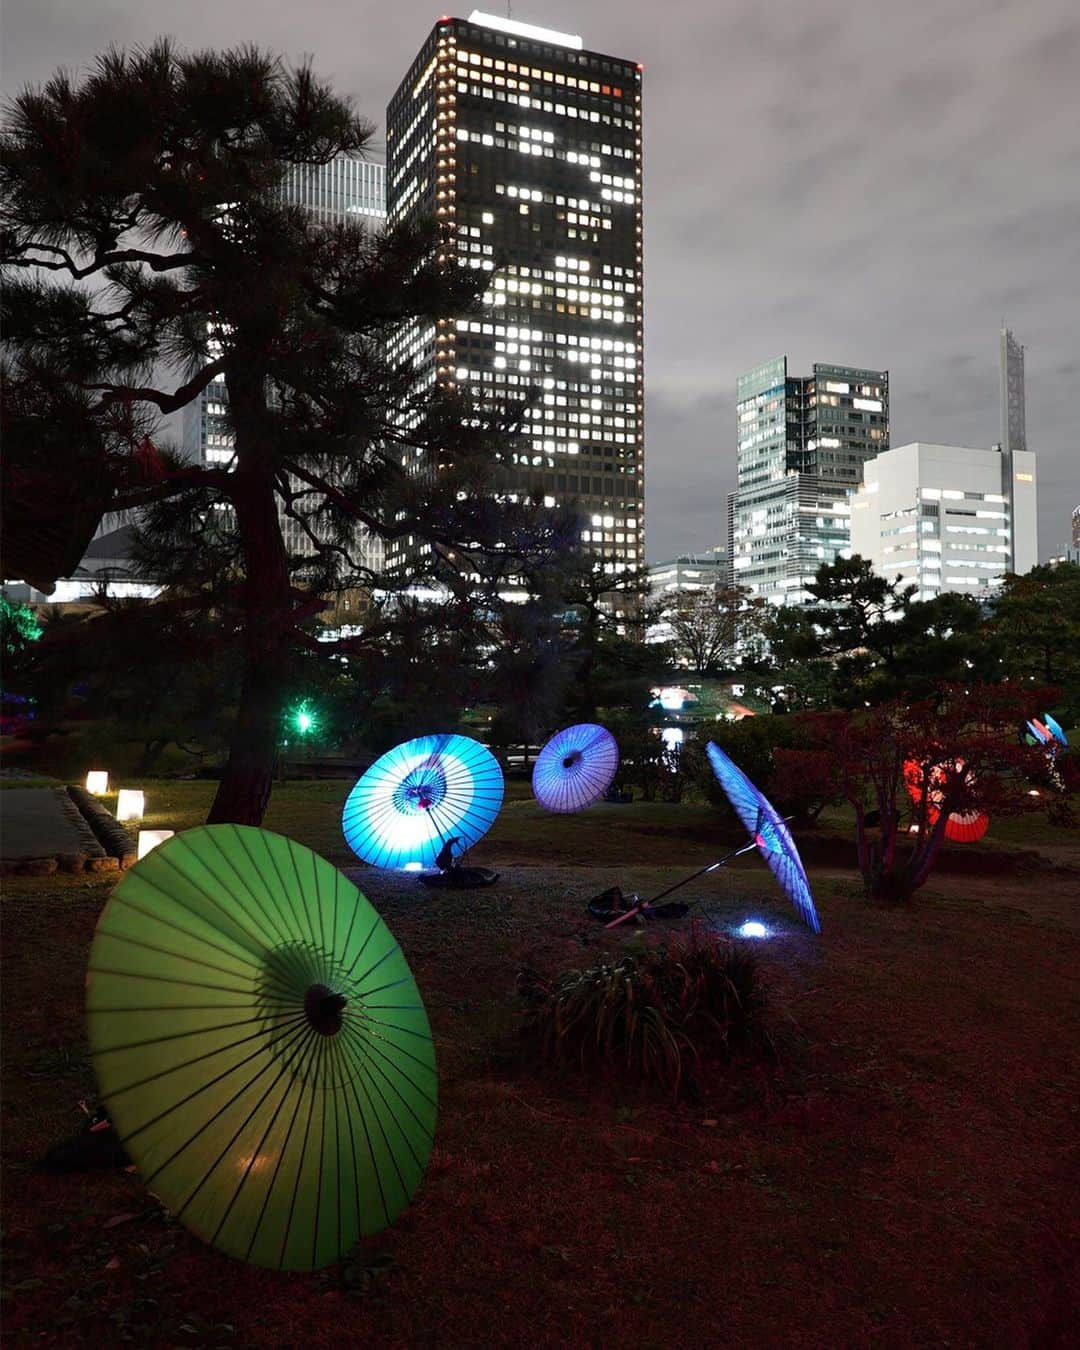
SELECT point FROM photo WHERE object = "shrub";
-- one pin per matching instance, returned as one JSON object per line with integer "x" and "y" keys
{"x": 653, "y": 1016}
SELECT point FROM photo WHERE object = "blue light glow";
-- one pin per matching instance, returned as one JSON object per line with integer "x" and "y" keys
{"x": 752, "y": 929}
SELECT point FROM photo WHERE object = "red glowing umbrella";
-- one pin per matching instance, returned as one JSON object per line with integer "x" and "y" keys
{"x": 961, "y": 827}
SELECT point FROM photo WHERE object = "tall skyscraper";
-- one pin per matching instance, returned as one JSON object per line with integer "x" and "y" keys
{"x": 528, "y": 148}
{"x": 802, "y": 441}
{"x": 1013, "y": 411}
{"x": 346, "y": 189}
{"x": 936, "y": 516}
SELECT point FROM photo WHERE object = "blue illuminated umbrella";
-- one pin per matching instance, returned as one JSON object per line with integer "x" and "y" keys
{"x": 419, "y": 797}
{"x": 1054, "y": 728}
{"x": 769, "y": 832}
{"x": 575, "y": 768}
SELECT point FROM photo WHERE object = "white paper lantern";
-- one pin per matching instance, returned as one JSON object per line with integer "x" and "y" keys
{"x": 97, "y": 782}
{"x": 129, "y": 804}
{"x": 149, "y": 839}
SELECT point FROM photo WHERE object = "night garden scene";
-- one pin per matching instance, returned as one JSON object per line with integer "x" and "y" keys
{"x": 540, "y": 688}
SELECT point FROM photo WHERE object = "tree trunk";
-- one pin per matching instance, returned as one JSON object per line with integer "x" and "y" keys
{"x": 244, "y": 790}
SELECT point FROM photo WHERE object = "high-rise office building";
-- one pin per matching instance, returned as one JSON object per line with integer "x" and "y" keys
{"x": 936, "y": 516}
{"x": 528, "y": 148}
{"x": 345, "y": 189}
{"x": 802, "y": 441}
{"x": 1013, "y": 411}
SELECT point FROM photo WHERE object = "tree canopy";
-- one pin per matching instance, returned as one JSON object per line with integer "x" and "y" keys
{"x": 148, "y": 251}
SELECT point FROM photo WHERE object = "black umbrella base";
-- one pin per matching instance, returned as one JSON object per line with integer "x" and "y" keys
{"x": 460, "y": 878}
{"x": 611, "y": 903}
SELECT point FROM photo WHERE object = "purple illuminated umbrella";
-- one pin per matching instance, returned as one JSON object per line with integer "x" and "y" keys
{"x": 575, "y": 768}
{"x": 769, "y": 832}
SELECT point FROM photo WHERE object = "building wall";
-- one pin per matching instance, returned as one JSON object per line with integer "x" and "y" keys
{"x": 528, "y": 148}
{"x": 941, "y": 517}
{"x": 801, "y": 445}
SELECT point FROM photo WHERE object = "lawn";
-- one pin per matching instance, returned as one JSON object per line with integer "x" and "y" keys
{"x": 904, "y": 1175}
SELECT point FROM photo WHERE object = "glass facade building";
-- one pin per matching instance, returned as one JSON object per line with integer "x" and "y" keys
{"x": 802, "y": 442}
{"x": 528, "y": 148}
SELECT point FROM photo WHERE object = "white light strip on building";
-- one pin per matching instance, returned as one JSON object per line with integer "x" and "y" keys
{"x": 526, "y": 30}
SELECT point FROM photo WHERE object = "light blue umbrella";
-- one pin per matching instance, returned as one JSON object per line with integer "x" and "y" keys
{"x": 420, "y": 796}
{"x": 575, "y": 768}
{"x": 770, "y": 834}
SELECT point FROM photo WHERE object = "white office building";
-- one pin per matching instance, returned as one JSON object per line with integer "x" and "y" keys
{"x": 947, "y": 517}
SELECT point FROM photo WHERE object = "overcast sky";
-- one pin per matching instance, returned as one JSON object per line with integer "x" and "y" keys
{"x": 871, "y": 182}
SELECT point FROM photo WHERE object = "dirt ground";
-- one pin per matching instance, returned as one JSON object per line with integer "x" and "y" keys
{"x": 906, "y": 1175}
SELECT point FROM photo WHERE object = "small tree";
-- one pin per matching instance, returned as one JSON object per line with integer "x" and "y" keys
{"x": 709, "y": 627}
{"x": 963, "y": 744}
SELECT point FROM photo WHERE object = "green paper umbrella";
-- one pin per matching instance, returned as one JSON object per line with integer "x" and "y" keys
{"x": 261, "y": 1046}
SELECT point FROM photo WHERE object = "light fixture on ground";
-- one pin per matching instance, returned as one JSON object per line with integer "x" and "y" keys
{"x": 149, "y": 839}
{"x": 97, "y": 782}
{"x": 752, "y": 929}
{"x": 130, "y": 804}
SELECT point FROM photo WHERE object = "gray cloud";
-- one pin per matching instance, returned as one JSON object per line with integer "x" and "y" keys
{"x": 852, "y": 180}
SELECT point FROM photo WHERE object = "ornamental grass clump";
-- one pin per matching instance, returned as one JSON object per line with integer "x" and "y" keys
{"x": 655, "y": 1016}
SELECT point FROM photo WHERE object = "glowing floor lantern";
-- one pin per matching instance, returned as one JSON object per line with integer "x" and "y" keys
{"x": 752, "y": 929}
{"x": 149, "y": 839}
{"x": 130, "y": 803}
{"x": 97, "y": 782}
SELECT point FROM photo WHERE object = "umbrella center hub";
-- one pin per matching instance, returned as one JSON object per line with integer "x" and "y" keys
{"x": 323, "y": 1008}
{"x": 421, "y": 792}
{"x": 574, "y": 757}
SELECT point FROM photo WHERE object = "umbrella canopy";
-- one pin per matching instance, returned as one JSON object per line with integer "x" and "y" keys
{"x": 771, "y": 835}
{"x": 1054, "y": 727}
{"x": 575, "y": 768}
{"x": 420, "y": 795}
{"x": 961, "y": 827}
{"x": 261, "y": 1046}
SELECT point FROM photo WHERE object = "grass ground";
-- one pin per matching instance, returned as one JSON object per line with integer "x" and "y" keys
{"x": 906, "y": 1175}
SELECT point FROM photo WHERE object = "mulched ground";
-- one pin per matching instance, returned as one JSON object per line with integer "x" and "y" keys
{"x": 906, "y": 1175}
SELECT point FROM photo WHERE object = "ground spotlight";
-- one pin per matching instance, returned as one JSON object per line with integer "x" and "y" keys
{"x": 752, "y": 929}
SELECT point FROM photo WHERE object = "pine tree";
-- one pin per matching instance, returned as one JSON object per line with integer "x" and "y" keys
{"x": 144, "y": 233}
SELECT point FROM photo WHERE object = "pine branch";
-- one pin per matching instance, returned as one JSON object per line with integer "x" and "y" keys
{"x": 166, "y": 403}
{"x": 64, "y": 262}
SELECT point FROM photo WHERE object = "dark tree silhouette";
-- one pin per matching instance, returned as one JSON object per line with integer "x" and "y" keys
{"x": 144, "y": 232}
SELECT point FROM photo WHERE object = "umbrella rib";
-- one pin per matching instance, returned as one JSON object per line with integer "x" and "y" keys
{"x": 167, "y": 979}
{"x": 427, "y": 1133}
{"x": 405, "y": 979}
{"x": 282, "y": 1071}
{"x": 414, "y": 1085}
{"x": 309, "y": 1086}
{"x": 269, "y": 854}
{"x": 165, "y": 951}
{"x": 363, "y": 1036}
{"x": 166, "y": 860}
{"x": 363, "y": 946}
{"x": 302, "y": 891}
{"x": 302, "y": 1045}
{"x": 359, "y": 979}
{"x": 293, "y": 1029}
{"x": 121, "y": 900}
{"x": 327, "y": 1052}
{"x": 176, "y": 1035}
{"x": 360, "y": 1112}
{"x": 287, "y": 932}
{"x": 187, "y": 1063}
{"x": 363, "y": 1069}
{"x": 277, "y": 1166}
{"x": 270, "y": 924}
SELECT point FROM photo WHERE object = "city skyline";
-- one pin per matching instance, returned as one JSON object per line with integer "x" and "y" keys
{"x": 794, "y": 165}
